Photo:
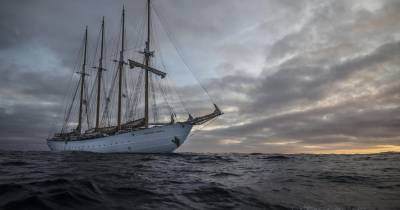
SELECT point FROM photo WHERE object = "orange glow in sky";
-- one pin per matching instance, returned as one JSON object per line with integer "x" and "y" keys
{"x": 375, "y": 149}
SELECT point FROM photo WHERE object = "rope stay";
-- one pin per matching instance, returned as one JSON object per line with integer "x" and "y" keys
{"x": 172, "y": 39}
{"x": 164, "y": 96}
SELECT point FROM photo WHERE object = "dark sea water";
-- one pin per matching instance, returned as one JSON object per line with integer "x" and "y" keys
{"x": 45, "y": 180}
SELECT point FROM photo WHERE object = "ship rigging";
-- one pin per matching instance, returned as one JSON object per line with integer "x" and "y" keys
{"x": 132, "y": 131}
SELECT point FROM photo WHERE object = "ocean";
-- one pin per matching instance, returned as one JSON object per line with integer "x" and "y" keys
{"x": 79, "y": 180}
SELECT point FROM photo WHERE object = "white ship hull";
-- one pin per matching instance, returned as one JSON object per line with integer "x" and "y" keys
{"x": 160, "y": 139}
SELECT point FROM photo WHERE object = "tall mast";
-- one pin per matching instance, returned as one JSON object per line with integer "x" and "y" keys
{"x": 99, "y": 74}
{"x": 83, "y": 74}
{"x": 120, "y": 69}
{"x": 147, "y": 54}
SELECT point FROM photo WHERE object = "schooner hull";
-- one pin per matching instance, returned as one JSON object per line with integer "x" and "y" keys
{"x": 161, "y": 139}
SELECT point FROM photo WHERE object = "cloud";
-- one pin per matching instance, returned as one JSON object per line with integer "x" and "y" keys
{"x": 303, "y": 76}
{"x": 329, "y": 91}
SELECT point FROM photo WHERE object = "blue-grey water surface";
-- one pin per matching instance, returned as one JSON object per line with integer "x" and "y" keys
{"x": 75, "y": 180}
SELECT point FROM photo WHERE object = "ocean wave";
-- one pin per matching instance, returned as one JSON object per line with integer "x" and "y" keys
{"x": 44, "y": 180}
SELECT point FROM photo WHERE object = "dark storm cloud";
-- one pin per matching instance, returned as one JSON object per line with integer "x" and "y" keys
{"x": 25, "y": 126}
{"x": 335, "y": 48}
{"x": 347, "y": 120}
{"x": 291, "y": 74}
{"x": 44, "y": 86}
{"x": 309, "y": 83}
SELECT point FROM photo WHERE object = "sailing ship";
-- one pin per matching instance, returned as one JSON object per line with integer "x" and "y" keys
{"x": 126, "y": 134}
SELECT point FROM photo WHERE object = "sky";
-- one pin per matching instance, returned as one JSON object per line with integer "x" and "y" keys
{"x": 302, "y": 76}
